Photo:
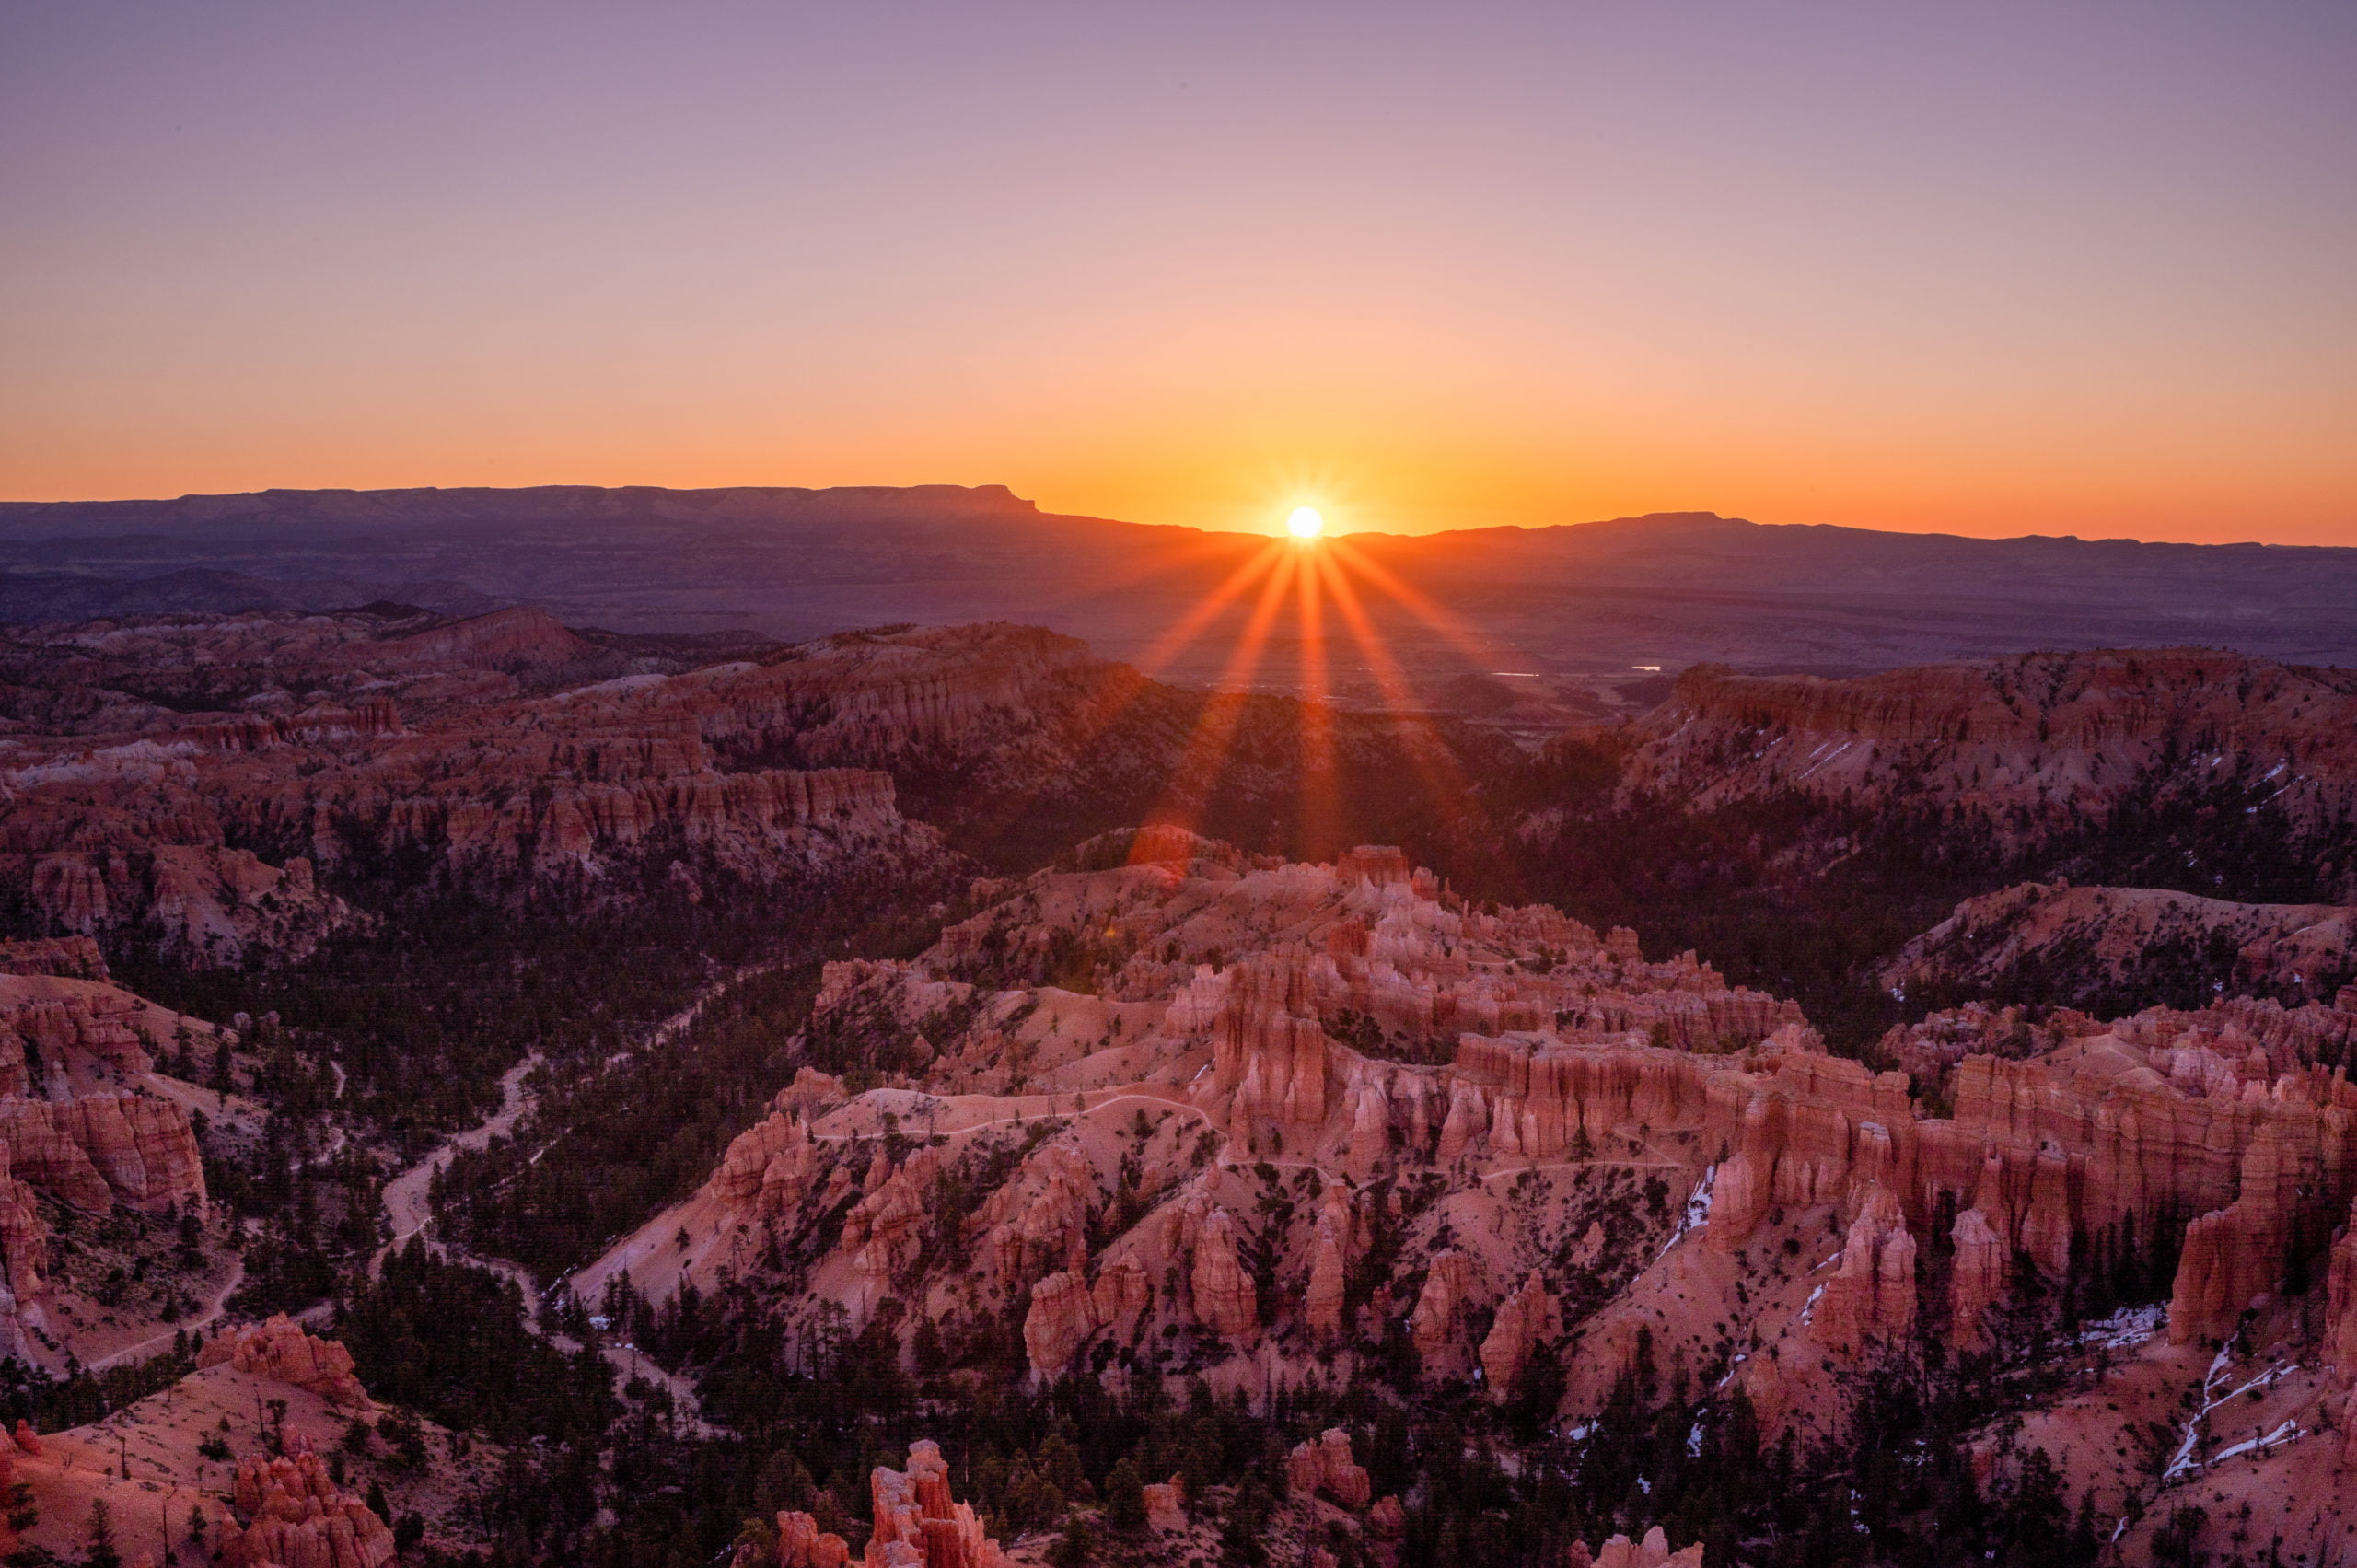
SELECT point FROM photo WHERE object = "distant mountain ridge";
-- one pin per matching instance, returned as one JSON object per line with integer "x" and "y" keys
{"x": 1666, "y": 589}
{"x": 426, "y": 506}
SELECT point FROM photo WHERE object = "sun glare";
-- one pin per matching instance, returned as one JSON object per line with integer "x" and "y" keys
{"x": 1335, "y": 631}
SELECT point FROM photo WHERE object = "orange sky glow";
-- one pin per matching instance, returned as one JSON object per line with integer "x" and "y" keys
{"x": 1522, "y": 266}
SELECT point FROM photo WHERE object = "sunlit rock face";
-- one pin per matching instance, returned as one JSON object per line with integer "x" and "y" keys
{"x": 270, "y": 1510}
{"x": 301, "y": 1519}
{"x": 1326, "y": 1468}
{"x": 1526, "y": 1320}
{"x": 1652, "y": 1551}
{"x": 1228, "y": 1116}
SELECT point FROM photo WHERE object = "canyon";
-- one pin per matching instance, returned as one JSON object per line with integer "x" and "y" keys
{"x": 507, "y": 758}
{"x": 1080, "y": 1058}
{"x": 1192, "y": 1172}
{"x": 129, "y": 816}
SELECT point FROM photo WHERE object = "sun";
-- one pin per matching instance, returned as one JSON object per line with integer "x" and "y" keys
{"x": 1306, "y": 523}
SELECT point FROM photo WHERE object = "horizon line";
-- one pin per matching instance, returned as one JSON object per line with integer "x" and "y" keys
{"x": 1038, "y": 510}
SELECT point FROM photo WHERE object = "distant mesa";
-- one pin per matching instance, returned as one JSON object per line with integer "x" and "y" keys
{"x": 1675, "y": 589}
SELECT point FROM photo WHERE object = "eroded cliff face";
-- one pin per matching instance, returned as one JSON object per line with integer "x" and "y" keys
{"x": 476, "y": 755}
{"x": 300, "y": 1518}
{"x": 1196, "y": 1082}
{"x": 1281, "y": 1116}
{"x": 84, "y": 1120}
{"x": 1187, "y": 1166}
{"x": 2024, "y": 746}
{"x": 1325, "y": 1468}
{"x": 2082, "y": 940}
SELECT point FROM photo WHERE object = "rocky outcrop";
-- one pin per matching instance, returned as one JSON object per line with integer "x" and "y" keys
{"x": 2236, "y": 1254}
{"x": 2211, "y": 1050}
{"x": 1270, "y": 1055}
{"x": 87, "y": 1148}
{"x": 571, "y": 833}
{"x": 105, "y": 1149}
{"x": 466, "y": 780}
{"x": 516, "y": 639}
{"x": 1872, "y": 1295}
{"x": 202, "y": 903}
{"x": 280, "y": 1349}
{"x": 2087, "y": 938}
{"x": 24, "y": 1253}
{"x": 78, "y": 1029}
{"x": 1326, "y": 1468}
{"x": 1975, "y": 1277}
{"x": 1226, "y": 1299}
{"x": 768, "y": 1169}
{"x": 2341, "y": 1300}
{"x": 299, "y": 1518}
{"x": 1437, "y": 1324}
{"x": 1166, "y": 1504}
{"x": 1120, "y": 1299}
{"x": 1040, "y": 1220}
{"x": 801, "y": 1544}
{"x": 884, "y": 1229}
{"x": 1526, "y": 1319}
{"x": 2044, "y": 740}
{"x": 1284, "y": 1045}
{"x": 1652, "y": 1552}
{"x": 918, "y": 1525}
{"x": 75, "y": 958}
{"x": 1322, "y": 1303}
{"x": 1061, "y": 1318}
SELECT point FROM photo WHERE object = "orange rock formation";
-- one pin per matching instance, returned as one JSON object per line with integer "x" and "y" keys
{"x": 129, "y": 816}
{"x": 1325, "y": 1467}
{"x": 1272, "y": 1056}
{"x": 299, "y": 1519}
{"x": 280, "y": 1349}
{"x": 918, "y": 1525}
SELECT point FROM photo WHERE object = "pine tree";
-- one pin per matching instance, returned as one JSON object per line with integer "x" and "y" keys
{"x": 102, "y": 1553}
{"x": 1125, "y": 1499}
{"x": 1077, "y": 1547}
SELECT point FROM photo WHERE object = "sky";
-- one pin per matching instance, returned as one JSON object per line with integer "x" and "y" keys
{"x": 1986, "y": 269}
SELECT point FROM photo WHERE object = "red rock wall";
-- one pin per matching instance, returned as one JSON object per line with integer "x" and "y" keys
{"x": 105, "y": 1149}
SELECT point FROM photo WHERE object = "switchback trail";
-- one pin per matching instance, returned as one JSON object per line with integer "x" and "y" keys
{"x": 405, "y": 1195}
{"x": 406, "y": 1206}
{"x": 189, "y": 1326}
